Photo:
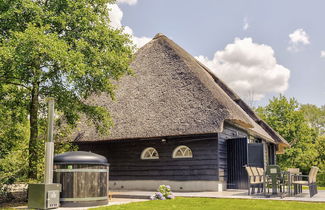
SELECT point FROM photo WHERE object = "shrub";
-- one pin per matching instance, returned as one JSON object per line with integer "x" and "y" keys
{"x": 164, "y": 192}
{"x": 321, "y": 179}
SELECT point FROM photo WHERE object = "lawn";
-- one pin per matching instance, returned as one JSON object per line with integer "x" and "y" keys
{"x": 212, "y": 204}
{"x": 319, "y": 188}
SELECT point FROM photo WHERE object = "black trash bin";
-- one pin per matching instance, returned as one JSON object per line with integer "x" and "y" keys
{"x": 84, "y": 178}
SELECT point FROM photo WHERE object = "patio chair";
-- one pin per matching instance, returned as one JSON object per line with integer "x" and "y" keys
{"x": 261, "y": 173}
{"x": 274, "y": 178}
{"x": 259, "y": 177}
{"x": 253, "y": 179}
{"x": 310, "y": 182}
{"x": 292, "y": 172}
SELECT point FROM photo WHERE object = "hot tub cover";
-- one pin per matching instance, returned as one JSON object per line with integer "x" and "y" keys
{"x": 80, "y": 157}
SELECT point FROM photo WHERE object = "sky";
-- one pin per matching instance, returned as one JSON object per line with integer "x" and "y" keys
{"x": 259, "y": 48}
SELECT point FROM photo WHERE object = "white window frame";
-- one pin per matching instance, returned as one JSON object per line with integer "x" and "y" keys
{"x": 178, "y": 148}
{"x": 151, "y": 157}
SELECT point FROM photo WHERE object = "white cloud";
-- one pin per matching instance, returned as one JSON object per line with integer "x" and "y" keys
{"x": 139, "y": 41}
{"x": 322, "y": 54}
{"x": 298, "y": 38}
{"x": 129, "y": 2}
{"x": 245, "y": 24}
{"x": 116, "y": 15}
{"x": 250, "y": 69}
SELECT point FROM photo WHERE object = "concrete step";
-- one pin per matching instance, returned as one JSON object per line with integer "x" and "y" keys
{"x": 131, "y": 195}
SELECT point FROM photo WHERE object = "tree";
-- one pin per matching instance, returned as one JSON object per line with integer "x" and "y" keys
{"x": 315, "y": 117}
{"x": 320, "y": 146}
{"x": 13, "y": 133}
{"x": 13, "y": 118}
{"x": 63, "y": 49}
{"x": 285, "y": 117}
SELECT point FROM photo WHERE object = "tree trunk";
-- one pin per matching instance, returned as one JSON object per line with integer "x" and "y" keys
{"x": 33, "y": 113}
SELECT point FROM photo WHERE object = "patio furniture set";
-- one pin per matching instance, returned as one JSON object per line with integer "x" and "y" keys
{"x": 283, "y": 183}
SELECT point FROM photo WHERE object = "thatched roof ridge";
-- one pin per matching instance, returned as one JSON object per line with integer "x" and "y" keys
{"x": 262, "y": 124}
{"x": 171, "y": 94}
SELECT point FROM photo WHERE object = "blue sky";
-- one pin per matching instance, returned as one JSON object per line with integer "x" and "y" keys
{"x": 263, "y": 62}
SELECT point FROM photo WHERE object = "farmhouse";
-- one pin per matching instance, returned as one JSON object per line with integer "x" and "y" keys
{"x": 176, "y": 123}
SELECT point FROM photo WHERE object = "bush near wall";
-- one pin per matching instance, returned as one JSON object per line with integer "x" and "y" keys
{"x": 321, "y": 180}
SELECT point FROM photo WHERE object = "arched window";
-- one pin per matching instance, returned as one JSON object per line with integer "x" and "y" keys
{"x": 149, "y": 153}
{"x": 182, "y": 152}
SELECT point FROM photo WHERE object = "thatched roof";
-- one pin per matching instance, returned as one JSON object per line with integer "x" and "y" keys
{"x": 170, "y": 94}
{"x": 262, "y": 125}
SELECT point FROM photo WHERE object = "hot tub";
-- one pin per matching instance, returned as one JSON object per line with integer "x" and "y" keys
{"x": 84, "y": 178}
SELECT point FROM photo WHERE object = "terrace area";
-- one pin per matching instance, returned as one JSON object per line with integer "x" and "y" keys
{"x": 125, "y": 197}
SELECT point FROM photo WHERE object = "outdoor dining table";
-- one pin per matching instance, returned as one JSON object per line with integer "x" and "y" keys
{"x": 280, "y": 180}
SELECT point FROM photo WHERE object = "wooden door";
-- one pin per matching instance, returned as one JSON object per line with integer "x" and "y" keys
{"x": 237, "y": 156}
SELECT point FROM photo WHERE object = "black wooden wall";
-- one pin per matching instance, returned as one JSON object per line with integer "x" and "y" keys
{"x": 271, "y": 154}
{"x": 126, "y": 164}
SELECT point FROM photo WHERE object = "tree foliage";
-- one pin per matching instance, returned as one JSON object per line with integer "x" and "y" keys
{"x": 320, "y": 146}
{"x": 315, "y": 117}
{"x": 287, "y": 118}
{"x": 13, "y": 134}
{"x": 63, "y": 49}
{"x": 13, "y": 118}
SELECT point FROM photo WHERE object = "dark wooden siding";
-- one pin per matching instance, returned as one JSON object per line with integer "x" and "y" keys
{"x": 125, "y": 162}
{"x": 271, "y": 148}
{"x": 229, "y": 132}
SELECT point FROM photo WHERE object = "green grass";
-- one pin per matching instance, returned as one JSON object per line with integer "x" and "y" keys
{"x": 213, "y": 204}
{"x": 318, "y": 188}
